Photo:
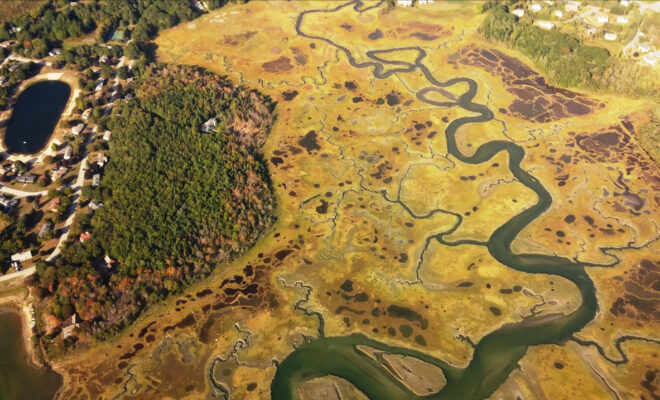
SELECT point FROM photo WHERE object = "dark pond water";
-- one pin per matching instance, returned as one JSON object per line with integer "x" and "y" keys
{"x": 19, "y": 380}
{"x": 35, "y": 116}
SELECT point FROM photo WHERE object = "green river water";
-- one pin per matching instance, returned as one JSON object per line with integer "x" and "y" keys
{"x": 496, "y": 354}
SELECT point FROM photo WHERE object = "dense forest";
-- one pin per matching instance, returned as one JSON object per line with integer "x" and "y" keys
{"x": 46, "y": 26}
{"x": 567, "y": 61}
{"x": 177, "y": 201}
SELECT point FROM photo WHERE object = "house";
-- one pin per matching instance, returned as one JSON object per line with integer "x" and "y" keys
{"x": 26, "y": 178}
{"x": 590, "y": 30}
{"x": 69, "y": 325}
{"x": 96, "y": 180}
{"x": 14, "y": 67}
{"x": 101, "y": 160}
{"x": 7, "y": 43}
{"x": 106, "y": 135}
{"x": 78, "y": 128}
{"x": 404, "y": 3}
{"x": 7, "y": 168}
{"x": 644, "y": 47}
{"x": 651, "y": 58}
{"x": 103, "y": 59}
{"x": 99, "y": 84}
{"x": 198, "y": 5}
{"x": 55, "y": 52}
{"x": 518, "y": 12}
{"x": 622, "y": 19}
{"x": 7, "y": 203}
{"x": 572, "y": 6}
{"x": 423, "y": 2}
{"x": 536, "y": 7}
{"x": 68, "y": 151}
{"x": 209, "y": 126}
{"x": 22, "y": 256}
{"x": 94, "y": 205}
{"x": 559, "y": 13}
{"x": 625, "y": 3}
{"x": 545, "y": 24}
{"x": 3, "y": 79}
{"x": 602, "y": 19}
{"x": 109, "y": 262}
{"x": 86, "y": 114}
{"x": 54, "y": 204}
{"x": 59, "y": 173}
{"x": 85, "y": 237}
{"x": 45, "y": 228}
{"x": 610, "y": 36}
{"x": 15, "y": 29}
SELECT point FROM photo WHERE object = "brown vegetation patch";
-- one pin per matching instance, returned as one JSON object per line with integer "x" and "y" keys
{"x": 641, "y": 300}
{"x": 424, "y": 31}
{"x": 615, "y": 144}
{"x": 535, "y": 99}
{"x": 281, "y": 64}
{"x": 235, "y": 40}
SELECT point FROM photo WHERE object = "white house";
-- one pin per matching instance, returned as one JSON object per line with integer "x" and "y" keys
{"x": 106, "y": 135}
{"x": 22, "y": 256}
{"x": 602, "y": 19}
{"x": 610, "y": 36}
{"x": 572, "y": 6}
{"x": 94, "y": 205}
{"x": 3, "y": 79}
{"x": 404, "y": 3}
{"x": 99, "y": 84}
{"x": 86, "y": 114}
{"x": 643, "y": 47}
{"x": 198, "y": 5}
{"x": 591, "y": 30}
{"x": 77, "y": 129}
{"x": 547, "y": 25}
{"x": 518, "y": 12}
{"x": 67, "y": 152}
{"x": 209, "y": 126}
{"x": 101, "y": 160}
{"x": 536, "y": 7}
{"x": 96, "y": 180}
{"x": 625, "y": 3}
{"x": 559, "y": 13}
{"x": 55, "y": 52}
{"x": 652, "y": 58}
{"x": 622, "y": 19}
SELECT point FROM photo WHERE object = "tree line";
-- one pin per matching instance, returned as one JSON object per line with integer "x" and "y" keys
{"x": 177, "y": 202}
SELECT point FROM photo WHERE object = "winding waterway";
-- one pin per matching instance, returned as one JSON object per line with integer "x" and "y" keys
{"x": 35, "y": 116}
{"x": 19, "y": 380}
{"x": 496, "y": 354}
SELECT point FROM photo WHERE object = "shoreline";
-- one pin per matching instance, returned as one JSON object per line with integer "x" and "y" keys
{"x": 21, "y": 309}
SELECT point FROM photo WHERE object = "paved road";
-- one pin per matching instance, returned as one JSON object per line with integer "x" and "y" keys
{"x": 646, "y": 5}
{"x": 14, "y": 57}
{"x": 77, "y": 188}
{"x": 21, "y": 274}
{"x": 21, "y": 193}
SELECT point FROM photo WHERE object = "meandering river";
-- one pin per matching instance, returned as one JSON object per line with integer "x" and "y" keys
{"x": 496, "y": 354}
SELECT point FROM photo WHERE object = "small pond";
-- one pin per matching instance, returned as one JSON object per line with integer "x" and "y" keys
{"x": 35, "y": 116}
